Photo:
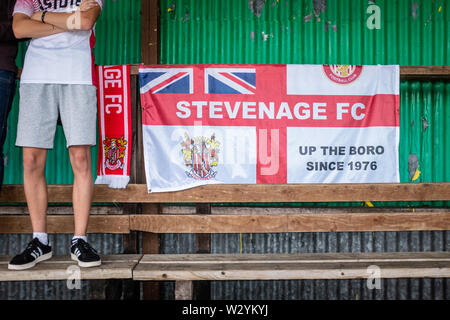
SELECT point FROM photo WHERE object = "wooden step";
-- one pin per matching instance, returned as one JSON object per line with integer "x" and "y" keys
{"x": 58, "y": 268}
{"x": 292, "y": 266}
{"x": 241, "y": 267}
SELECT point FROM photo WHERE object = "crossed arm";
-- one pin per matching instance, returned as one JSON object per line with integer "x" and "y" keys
{"x": 56, "y": 22}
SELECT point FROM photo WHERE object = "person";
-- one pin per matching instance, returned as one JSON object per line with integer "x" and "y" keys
{"x": 58, "y": 77}
{"x": 8, "y": 72}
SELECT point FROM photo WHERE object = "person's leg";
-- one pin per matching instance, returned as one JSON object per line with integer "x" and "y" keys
{"x": 83, "y": 186}
{"x": 78, "y": 110}
{"x": 38, "y": 113}
{"x": 7, "y": 92}
{"x": 83, "y": 190}
{"x": 35, "y": 187}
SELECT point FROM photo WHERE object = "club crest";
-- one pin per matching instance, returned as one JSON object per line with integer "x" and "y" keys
{"x": 114, "y": 152}
{"x": 200, "y": 156}
{"x": 342, "y": 73}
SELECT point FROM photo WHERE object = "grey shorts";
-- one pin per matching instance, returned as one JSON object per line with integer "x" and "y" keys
{"x": 38, "y": 114}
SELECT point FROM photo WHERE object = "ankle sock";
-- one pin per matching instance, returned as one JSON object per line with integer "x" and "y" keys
{"x": 42, "y": 237}
{"x": 74, "y": 239}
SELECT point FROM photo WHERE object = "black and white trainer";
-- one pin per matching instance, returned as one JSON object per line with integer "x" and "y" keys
{"x": 84, "y": 254}
{"x": 34, "y": 252}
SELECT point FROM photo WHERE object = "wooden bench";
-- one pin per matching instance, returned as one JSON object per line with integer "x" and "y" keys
{"x": 291, "y": 266}
{"x": 57, "y": 268}
{"x": 182, "y": 218}
{"x": 185, "y": 268}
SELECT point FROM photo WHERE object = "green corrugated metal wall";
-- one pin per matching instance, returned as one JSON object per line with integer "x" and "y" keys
{"x": 329, "y": 32}
{"x": 413, "y": 32}
{"x": 118, "y": 33}
{"x": 215, "y": 31}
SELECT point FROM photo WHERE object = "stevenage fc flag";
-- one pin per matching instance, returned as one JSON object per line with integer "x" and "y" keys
{"x": 269, "y": 124}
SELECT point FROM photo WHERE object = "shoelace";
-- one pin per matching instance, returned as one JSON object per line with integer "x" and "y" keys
{"x": 32, "y": 247}
{"x": 85, "y": 247}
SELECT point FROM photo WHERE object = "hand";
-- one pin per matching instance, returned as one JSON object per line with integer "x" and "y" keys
{"x": 87, "y": 5}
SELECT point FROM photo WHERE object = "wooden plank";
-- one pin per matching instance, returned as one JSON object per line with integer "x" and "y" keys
{"x": 424, "y": 72}
{"x": 254, "y": 210}
{"x": 58, "y": 259}
{"x": 113, "y": 267}
{"x": 372, "y": 257}
{"x": 266, "y": 223}
{"x": 314, "y": 266}
{"x": 64, "y": 224}
{"x": 202, "y": 289}
{"x": 151, "y": 244}
{"x": 135, "y": 137}
{"x": 137, "y": 193}
{"x": 291, "y": 271}
{"x": 203, "y": 240}
{"x": 63, "y": 210}
{"x": 406, "y": 72}
{"x": 150, "y": 35}
{"x": 134, "y": 70}
{"x": 183, "y": 290}
{"x": 129, "y": 289}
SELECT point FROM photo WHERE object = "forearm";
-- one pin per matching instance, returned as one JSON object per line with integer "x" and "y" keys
{"x": 79, "y": 20}
{"x": 63, "y": 20}
{"x": 27, "y": 28}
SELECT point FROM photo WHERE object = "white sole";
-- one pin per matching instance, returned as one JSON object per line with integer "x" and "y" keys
{"x": 85, "y": 264}
{"x": 31, "y": 264}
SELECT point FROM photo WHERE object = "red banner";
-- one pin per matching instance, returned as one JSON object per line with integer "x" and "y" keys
{"x": 269, "y": 124}
{"x": 114, "y": 110}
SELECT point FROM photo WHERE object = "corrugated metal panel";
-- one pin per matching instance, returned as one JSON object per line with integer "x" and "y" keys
{"x": 215, "y": 31}
{"x": 331, "y": 242}
{"x": 327, "y": 32}
{"x": 318, "y": 242}
{"x": 118, "y": 34}
{"x": 174, "y": 244}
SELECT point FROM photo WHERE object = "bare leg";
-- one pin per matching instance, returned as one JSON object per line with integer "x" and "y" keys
{"x": 83, "y": 186}
{"x": 35, "y": 186}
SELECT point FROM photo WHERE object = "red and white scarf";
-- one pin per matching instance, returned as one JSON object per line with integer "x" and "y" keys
{"x": 114, "y": 114}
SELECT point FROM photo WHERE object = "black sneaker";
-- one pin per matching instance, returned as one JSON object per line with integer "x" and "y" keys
{"x": 86, "y": 256}
{"x": 34, "y": 252}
